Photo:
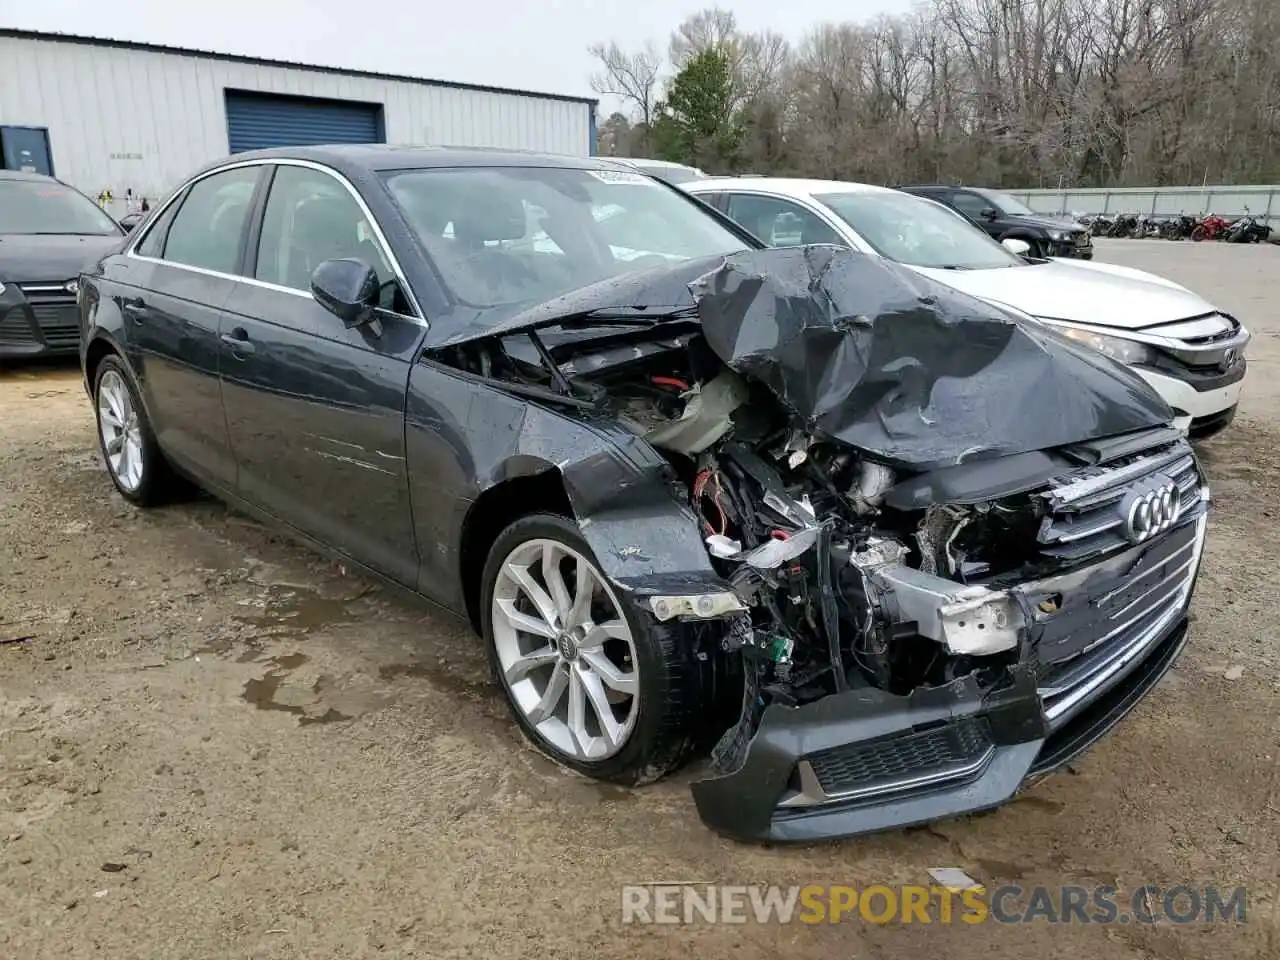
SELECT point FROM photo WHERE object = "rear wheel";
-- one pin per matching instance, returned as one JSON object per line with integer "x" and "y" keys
{"x": 1200, "y": 233}
{"x": 592, "y": 682}
{"x": 134, "y": 461}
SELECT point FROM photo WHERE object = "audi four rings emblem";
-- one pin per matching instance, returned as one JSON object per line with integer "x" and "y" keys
{"x": 1151, "y": 509}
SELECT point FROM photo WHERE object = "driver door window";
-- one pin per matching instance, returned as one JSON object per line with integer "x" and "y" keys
{"x": 970, "y": 204}
{"x": 310, "y": 218}
{"x": 780, "y": 223}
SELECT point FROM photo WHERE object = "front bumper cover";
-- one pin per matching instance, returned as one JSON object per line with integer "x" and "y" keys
{"x": 934, "y": 754}
{"x": 867, "y": 760}
{"x": 1070, "y": 250}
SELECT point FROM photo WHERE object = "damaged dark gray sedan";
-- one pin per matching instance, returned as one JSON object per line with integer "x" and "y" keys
{"x": 883, "y": 552}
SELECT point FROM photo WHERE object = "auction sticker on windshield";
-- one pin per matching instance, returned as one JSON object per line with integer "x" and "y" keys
{"x": 621, "y": 176}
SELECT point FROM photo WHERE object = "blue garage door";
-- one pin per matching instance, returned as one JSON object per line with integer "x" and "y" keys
{"x": 256, "y": 121}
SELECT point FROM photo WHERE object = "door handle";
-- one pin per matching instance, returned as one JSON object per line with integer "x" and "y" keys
{"x": 135, "y": 310}
{"x": 238, "y": 341}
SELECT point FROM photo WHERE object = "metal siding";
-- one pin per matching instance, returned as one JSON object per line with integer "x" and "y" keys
{"x": 1263, "y": 201}
{"x": 255, "y": 122}
{"x": 170, "y": 108}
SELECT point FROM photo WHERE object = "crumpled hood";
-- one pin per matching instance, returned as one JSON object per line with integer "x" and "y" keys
{"x": 1080, "y": 292}
{"x": 905, "y": 368}
{"x": 27, "y": 258}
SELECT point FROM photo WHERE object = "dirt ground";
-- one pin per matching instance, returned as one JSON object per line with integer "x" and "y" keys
{"x": 215, "y": 744}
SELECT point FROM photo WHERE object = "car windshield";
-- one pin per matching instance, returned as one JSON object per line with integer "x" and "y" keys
{"x": 49, "y": 207}
{"x": 1009, "y": 205}
{"x": 511, "y": 235}
{"x": 921, "y": 233}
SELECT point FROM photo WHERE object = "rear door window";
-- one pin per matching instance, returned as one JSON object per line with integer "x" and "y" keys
{"x": 209, "y": 229}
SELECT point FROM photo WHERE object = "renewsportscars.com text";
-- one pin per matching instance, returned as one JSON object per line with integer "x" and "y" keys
{"x": 687, "y": 903}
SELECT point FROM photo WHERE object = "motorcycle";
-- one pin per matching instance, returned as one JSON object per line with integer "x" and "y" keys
{"x": 1126, "y": 225}
{"x": 1184, "y": 226}
{"x": 1101, "y": 226}
{"x": 1212, "y": 227}
{"x": 1248, "y": 230}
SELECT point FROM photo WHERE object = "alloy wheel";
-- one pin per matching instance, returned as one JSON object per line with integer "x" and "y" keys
{"x": 121, "y": 432}
{"x": 565, "y": 650}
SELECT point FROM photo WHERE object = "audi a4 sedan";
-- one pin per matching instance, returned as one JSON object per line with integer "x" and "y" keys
{"x": 49, "y": 232}
{"x": 881, "y": 552}
{"x": 1190, "y": 352}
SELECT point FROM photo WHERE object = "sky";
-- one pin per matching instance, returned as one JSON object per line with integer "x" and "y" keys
{"x": 525, "y": 44}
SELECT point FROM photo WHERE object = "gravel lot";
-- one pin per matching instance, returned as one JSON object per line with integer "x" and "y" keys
{"x": 286, "y": 761}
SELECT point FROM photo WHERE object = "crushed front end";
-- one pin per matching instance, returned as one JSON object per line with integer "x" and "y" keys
{"x": 949, "y": 549}
{"x": 965, "y": 667}
{"x": 1007, "y": 538}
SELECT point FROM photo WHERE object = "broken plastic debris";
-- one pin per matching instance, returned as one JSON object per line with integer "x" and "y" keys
{"x": 774, "y": 553}
{"x": 953, "y": 879}
{"x": 722, "y": 547}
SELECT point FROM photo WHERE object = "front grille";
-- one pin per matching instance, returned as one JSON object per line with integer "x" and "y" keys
{"x": 1198, "y": 331}
{"x": 872, "y": 767}
{"x": 1209, "y": 341}
{"x": 1086, "y": 518}
{"x": 1090, "y": 626}
{"x": 15, "y": 328}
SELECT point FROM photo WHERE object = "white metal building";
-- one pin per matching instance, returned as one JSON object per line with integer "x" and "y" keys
{"x": 133, "y": 119}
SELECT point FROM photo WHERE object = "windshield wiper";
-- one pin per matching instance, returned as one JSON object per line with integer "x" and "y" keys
{"x": 638, "y": 316}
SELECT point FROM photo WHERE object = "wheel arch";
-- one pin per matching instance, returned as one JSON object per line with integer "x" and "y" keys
{"x": 524, "y": 490}
{"x": 627, "y": 507}
{"x": 100, "y": 347}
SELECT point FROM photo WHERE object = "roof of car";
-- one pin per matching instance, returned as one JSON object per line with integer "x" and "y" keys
{"x": 22, "y": 175}
{"x": 784, "y": 186}
{"x": 942, "y": 186}
{"x": 374, "y": 156}
{"x": 647, "y": 162}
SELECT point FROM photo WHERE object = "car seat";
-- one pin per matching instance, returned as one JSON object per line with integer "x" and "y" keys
{"x": 324, "y": 229}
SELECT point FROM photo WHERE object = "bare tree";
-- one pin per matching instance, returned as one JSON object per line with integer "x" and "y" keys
{"x": 1011, "y": 92}
{"x": 631, "y": 77}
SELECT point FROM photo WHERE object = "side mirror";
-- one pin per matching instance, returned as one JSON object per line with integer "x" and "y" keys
{"x": 348, "y": 289}
{"x": 1017, "y": 247}
{"x": 989, "y": 213}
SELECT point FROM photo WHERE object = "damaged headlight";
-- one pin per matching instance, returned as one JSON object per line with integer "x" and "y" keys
{"x": 1117, "y": 348}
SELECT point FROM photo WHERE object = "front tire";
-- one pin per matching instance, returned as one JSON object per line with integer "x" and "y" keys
{"x": 134, "y": 461}
{"x": 594, "y": 683}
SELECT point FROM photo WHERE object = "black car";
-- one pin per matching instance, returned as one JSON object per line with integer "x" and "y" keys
{"x": 48, "y": 233}
{"x": 1006, "y": 218}
{"x": 882, "y": 550}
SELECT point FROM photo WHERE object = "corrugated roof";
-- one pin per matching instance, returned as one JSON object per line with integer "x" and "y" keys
{"x": 262, "y": 62}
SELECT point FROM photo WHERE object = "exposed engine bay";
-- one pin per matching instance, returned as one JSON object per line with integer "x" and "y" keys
{"x": 866, "y": 544}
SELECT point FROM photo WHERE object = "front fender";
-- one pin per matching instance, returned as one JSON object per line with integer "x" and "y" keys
{"x": 631, "y": 510}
